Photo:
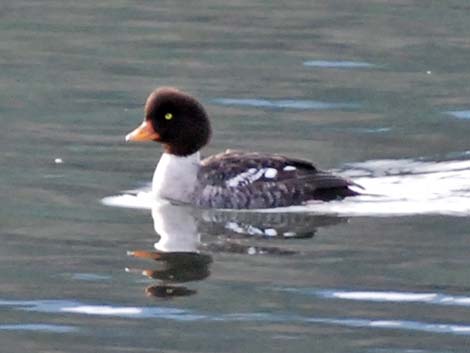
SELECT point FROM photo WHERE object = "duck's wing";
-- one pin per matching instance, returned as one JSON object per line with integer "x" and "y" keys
{"x": 236, "y": 179}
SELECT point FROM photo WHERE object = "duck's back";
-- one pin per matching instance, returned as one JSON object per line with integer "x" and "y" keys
{"x": 243, "y": 180}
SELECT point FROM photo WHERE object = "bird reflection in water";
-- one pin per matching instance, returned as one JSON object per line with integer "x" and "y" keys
{"x": 177, "y": 267}
{"x": 181, "y": 257}
{"x": 177, "y": 254}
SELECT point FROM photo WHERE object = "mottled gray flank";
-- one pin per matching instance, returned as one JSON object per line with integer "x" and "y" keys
{"x": 255, "y": 189}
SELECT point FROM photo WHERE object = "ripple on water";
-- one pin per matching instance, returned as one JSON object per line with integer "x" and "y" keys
{"x": 167, "y": 313}
{"x": 442, "y": 328}
{"x": 384, "y": 296}
{"x": 363, "y": 130}
{"x": 403, "y": 350}
{"x": 92, "y": 277}
{"x": 460, "y": 114}
{"x": 39, "y": 328}
{"x": 339, "y": 64}
{"x": 285, "y": 103}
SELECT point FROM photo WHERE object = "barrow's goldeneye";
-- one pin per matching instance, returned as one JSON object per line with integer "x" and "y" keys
{"x": 233, "y": 179}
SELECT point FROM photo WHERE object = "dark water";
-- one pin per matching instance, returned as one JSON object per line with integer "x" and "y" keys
{"x": 377, "y": 89}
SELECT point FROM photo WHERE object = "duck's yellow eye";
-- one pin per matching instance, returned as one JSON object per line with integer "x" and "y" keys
{"x": 168, "y": 116}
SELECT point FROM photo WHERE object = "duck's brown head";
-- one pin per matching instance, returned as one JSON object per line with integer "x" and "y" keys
{"x": 174, "y": 119}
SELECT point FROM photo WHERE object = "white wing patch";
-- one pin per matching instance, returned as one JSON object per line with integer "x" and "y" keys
{"x": 247, "y": 177}
{"x": 250, "y": 176}
{"x": 270, "y": 232}
{"x": 270, "y": 173}
{"x": 288, "y": 168}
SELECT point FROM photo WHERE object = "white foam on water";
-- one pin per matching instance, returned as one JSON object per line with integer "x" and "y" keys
{"x": 400, "y": 188}
{"x": 140, "y": 200}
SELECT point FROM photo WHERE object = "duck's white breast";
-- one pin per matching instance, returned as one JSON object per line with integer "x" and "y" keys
{"x": 175, "y": 177}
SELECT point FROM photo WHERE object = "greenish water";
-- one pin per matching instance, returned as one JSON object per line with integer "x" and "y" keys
{"x": 371, "y": 88}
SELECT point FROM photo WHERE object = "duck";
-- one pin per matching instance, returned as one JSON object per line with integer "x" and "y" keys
{"x": 229, "y": 180}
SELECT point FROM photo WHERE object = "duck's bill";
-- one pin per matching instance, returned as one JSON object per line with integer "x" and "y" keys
{"x": 144, "y": 132}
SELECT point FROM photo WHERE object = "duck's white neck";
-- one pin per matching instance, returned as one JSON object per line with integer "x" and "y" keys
{"x": 175, "y": 177}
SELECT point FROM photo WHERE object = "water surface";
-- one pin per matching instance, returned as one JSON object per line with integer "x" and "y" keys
{"x": 376, "y": 90}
